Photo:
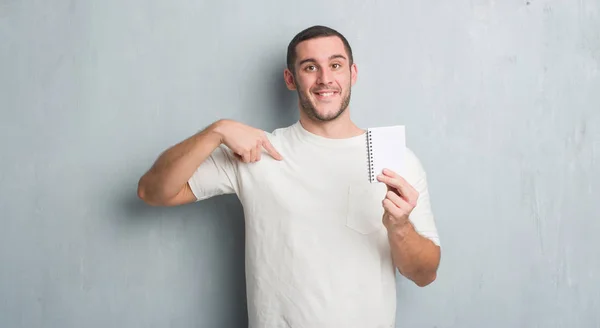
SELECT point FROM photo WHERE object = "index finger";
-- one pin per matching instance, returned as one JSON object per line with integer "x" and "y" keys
{"x": 398, "y": 182}
{"x": 271, "y": 150}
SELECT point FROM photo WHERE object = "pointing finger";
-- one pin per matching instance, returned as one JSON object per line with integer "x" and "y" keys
{"x": 258, "y": 152}
{"x": 253, "y": 153}
{"x": 271, "y": 150}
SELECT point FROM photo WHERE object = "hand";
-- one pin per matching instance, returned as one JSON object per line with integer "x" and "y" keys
{"x": 245, "y": 141}
{"x": 400, "y": 200}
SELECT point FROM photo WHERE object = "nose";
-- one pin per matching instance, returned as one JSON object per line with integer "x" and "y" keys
{"x": 325, "y": 76}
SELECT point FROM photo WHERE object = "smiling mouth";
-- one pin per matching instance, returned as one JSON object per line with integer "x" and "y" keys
{"x": 325, "y": 94}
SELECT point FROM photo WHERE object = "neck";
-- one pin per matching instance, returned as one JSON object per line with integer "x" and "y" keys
{"x": 340, "y": 128}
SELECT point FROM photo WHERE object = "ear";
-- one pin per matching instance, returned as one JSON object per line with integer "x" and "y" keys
{"x": 353, "y": 73}
{"x": 289, "y": 79}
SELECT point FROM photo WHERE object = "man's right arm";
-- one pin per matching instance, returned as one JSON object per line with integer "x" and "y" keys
{"x": 166, "y": 183}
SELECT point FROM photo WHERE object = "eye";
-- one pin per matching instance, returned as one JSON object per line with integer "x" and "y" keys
{"x": 310, "y": 68}
{"x": 336, "y": 66}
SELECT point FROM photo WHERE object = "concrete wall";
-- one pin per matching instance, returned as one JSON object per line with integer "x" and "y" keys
{"x": 501, "y": 100}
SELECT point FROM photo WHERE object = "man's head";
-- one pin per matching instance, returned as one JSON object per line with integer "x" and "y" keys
{"x": 320, "y": 66}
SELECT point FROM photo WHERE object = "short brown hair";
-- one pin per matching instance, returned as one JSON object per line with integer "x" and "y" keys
{"x": 313, "y": 32}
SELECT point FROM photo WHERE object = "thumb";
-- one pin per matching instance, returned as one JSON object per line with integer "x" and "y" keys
{"x": 271, "y": 150}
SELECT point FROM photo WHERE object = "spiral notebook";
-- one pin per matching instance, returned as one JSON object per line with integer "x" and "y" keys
{"x": 386, "y": 149}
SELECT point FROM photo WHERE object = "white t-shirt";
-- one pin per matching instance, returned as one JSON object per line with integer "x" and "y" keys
{"x": 317, "y": 253}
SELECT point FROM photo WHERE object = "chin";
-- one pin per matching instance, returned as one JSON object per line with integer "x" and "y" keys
{"x": 328, "y": 108}
{"x": 328, "y": 114}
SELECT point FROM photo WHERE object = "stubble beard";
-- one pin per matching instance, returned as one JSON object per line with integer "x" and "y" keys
{"x": 309, "y": 108}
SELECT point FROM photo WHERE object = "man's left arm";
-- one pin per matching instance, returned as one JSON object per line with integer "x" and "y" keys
{"x": 412, "y": 234}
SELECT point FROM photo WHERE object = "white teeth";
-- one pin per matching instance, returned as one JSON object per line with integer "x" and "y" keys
{"x": 326, "y": 94}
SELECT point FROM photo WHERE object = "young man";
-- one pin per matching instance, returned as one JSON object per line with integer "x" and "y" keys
{"x": 322, "y": 243}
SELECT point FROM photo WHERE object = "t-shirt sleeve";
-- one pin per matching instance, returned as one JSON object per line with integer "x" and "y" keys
{"x": 217, "y": 175}
{"x": 422, "y": 216}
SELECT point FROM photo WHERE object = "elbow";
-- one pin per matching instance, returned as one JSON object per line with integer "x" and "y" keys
{"x": 151, "y": 193}
{"x": 425, "y": 280}
{"x": 422, "y": 278}
{"x": 142, "y": 192}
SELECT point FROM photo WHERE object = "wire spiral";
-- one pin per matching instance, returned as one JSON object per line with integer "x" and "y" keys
{"x": 370, "y": 157}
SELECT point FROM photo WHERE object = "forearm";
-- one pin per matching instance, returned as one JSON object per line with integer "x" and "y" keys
{"x": 415, "y": 256}
{"x": 174, "y": 167}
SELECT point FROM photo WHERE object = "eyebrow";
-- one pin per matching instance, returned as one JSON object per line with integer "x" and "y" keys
{"x": 307, "y": 60}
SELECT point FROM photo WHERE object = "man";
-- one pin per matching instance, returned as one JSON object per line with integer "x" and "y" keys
{"x": 322, "y": 243}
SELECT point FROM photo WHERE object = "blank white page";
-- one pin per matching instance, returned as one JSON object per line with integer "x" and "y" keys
{"x": 387, "y": 145}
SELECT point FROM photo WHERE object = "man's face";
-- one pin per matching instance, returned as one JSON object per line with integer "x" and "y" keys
{"x": 323, "y": 77}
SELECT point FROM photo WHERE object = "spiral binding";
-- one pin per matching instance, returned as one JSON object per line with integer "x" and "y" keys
{"x": 370, "y": 156}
